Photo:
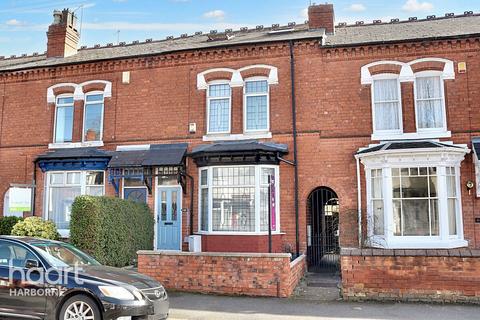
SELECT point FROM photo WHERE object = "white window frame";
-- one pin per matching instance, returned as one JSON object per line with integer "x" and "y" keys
{"x": 387, "y": 76}
{"x": 257, "y": 201}
{"x": 83, "y": 190}
{"x": 217, "y": 82}
{"x": 425, "y": 74}
{"x": 245, "y": 95}
{"x": 389, "y": 240}
{"x": 200, "y": 188}
{"x": 85, "y": 104}
{"x": 63, "y": 95}
{"x": 135, "y": 187}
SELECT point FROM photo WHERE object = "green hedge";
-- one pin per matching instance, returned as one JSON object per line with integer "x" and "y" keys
{"x": 7, "y": 223}
{"x": 110, "y": 229}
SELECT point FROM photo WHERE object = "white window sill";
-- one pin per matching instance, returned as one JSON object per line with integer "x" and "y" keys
{"x": 236, "y": 137}
{"x": 411, "y": 135}
{"x": 67, "y": 145}
{"x": 234, "y": 233}
{"x": 417, "y": 243}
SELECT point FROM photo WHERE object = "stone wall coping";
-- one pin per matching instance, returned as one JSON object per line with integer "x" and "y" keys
{"x": 297, "y": 260}
{"x": 214, "y": 254}
{"x": 462, "y": 252}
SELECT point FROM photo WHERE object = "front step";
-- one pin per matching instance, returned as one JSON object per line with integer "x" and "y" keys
{"x": 318, "y": 287}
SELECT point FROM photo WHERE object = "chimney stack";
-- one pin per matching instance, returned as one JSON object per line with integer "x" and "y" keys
{"x": 321, "y": 16}
{"x": 62, "y": 34}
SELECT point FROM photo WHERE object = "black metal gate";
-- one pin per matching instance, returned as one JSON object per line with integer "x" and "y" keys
{"x": 323, "y": 249}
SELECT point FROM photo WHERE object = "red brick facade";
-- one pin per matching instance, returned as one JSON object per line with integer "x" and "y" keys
{"x": 334, "y": 120}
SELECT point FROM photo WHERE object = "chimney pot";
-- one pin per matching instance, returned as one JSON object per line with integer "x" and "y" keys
{"x": 321, "y": 16}
{"x": 62, "y": 34}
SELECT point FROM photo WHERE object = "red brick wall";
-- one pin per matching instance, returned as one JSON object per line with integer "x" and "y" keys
{"x": 234, "y": 274}
{"x": 412, "y": 275}
{"x": 243, "y": 243}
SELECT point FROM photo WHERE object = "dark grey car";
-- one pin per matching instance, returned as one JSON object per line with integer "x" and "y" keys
{"x": 45, "y": 279}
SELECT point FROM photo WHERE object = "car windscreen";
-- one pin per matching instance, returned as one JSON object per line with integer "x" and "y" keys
{"x": 64, "y": 255}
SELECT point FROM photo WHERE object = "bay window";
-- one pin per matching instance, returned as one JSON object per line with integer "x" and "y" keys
{"x": 415, "y": 201}
{"x": 62, "y": 187}
{"x": 93, "y": 117}
{"x": 256, "y": 105}
{"x": 429, "y": 101}
{"x": 414, "y": 207}
{"x": 235, "y": 199}
{"x": 64, "y": 110}
{"x": 386, "y": 100}
{"x": 218, "y": 108}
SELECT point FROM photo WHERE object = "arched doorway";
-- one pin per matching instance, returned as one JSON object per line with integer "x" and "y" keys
{"x": 323, "y": 248}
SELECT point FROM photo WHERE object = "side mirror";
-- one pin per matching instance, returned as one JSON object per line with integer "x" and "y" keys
{"x": 31, "y": 264}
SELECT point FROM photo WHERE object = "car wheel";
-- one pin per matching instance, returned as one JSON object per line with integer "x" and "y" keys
{"x": 79, "y": 307}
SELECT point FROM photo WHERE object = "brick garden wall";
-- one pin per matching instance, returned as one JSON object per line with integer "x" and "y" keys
{"x": 411, "y": 275}
{"x": 224, "y": 273}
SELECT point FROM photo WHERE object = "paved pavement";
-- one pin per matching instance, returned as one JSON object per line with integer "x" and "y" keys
{"x": 208, "y": 307}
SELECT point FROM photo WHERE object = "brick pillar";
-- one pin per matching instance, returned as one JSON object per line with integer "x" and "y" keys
{"x": 237, "y": 110}
{"x": 77, "y": 121}
{"x": 408, "y": 107}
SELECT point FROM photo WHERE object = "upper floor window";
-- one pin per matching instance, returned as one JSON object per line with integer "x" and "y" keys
{"x": 387, "y": 108}
{"x": 429, "y": 101}
{"x": 218, "y": 107}
{"x": 93, "y": 117}
{"x": 63, "y": 119}
{"x": 256, "y": 105}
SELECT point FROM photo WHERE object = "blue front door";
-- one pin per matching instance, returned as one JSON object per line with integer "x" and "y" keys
{"x": 169, "y": 218}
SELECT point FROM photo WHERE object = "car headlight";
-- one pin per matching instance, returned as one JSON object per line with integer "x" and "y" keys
{"x": 138, "y": 294}
{"x": 117, "y": 293}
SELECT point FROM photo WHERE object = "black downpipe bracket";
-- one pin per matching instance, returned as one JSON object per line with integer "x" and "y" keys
{"x": 294, "y": 129}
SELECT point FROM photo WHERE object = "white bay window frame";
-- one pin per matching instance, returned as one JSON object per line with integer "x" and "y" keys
{"x": 386, "y": 161}
{"x": 83, "y": 189}
{"x": 258, "y": 184}
{"x": 376, "y": 79}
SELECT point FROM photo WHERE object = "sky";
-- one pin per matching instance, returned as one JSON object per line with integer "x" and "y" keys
{"x": 23, "y": 23}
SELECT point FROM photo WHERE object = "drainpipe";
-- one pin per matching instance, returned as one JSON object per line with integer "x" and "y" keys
{"x": 359, "y": 200}
{"x": 34, "y": 185}
{"x": 294, "y": 129}
{"x": 191, "y": 200}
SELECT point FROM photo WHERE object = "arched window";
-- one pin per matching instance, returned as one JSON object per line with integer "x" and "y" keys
{"x": 64, "y": 111}
{"x": 430, "y": 101}
{"x": 93, "y": 116}
{"x": 256, "y": 105}
{"x": 386, "y": 104}
{"x": 219, "y": 103}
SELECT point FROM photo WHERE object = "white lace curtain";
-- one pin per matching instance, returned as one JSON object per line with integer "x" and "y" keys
{"x": 387, "y": 104}
{"x": 429, "y": 102}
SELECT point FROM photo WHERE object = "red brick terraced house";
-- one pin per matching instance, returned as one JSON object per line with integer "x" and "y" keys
{"x": 368, "y": 134}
